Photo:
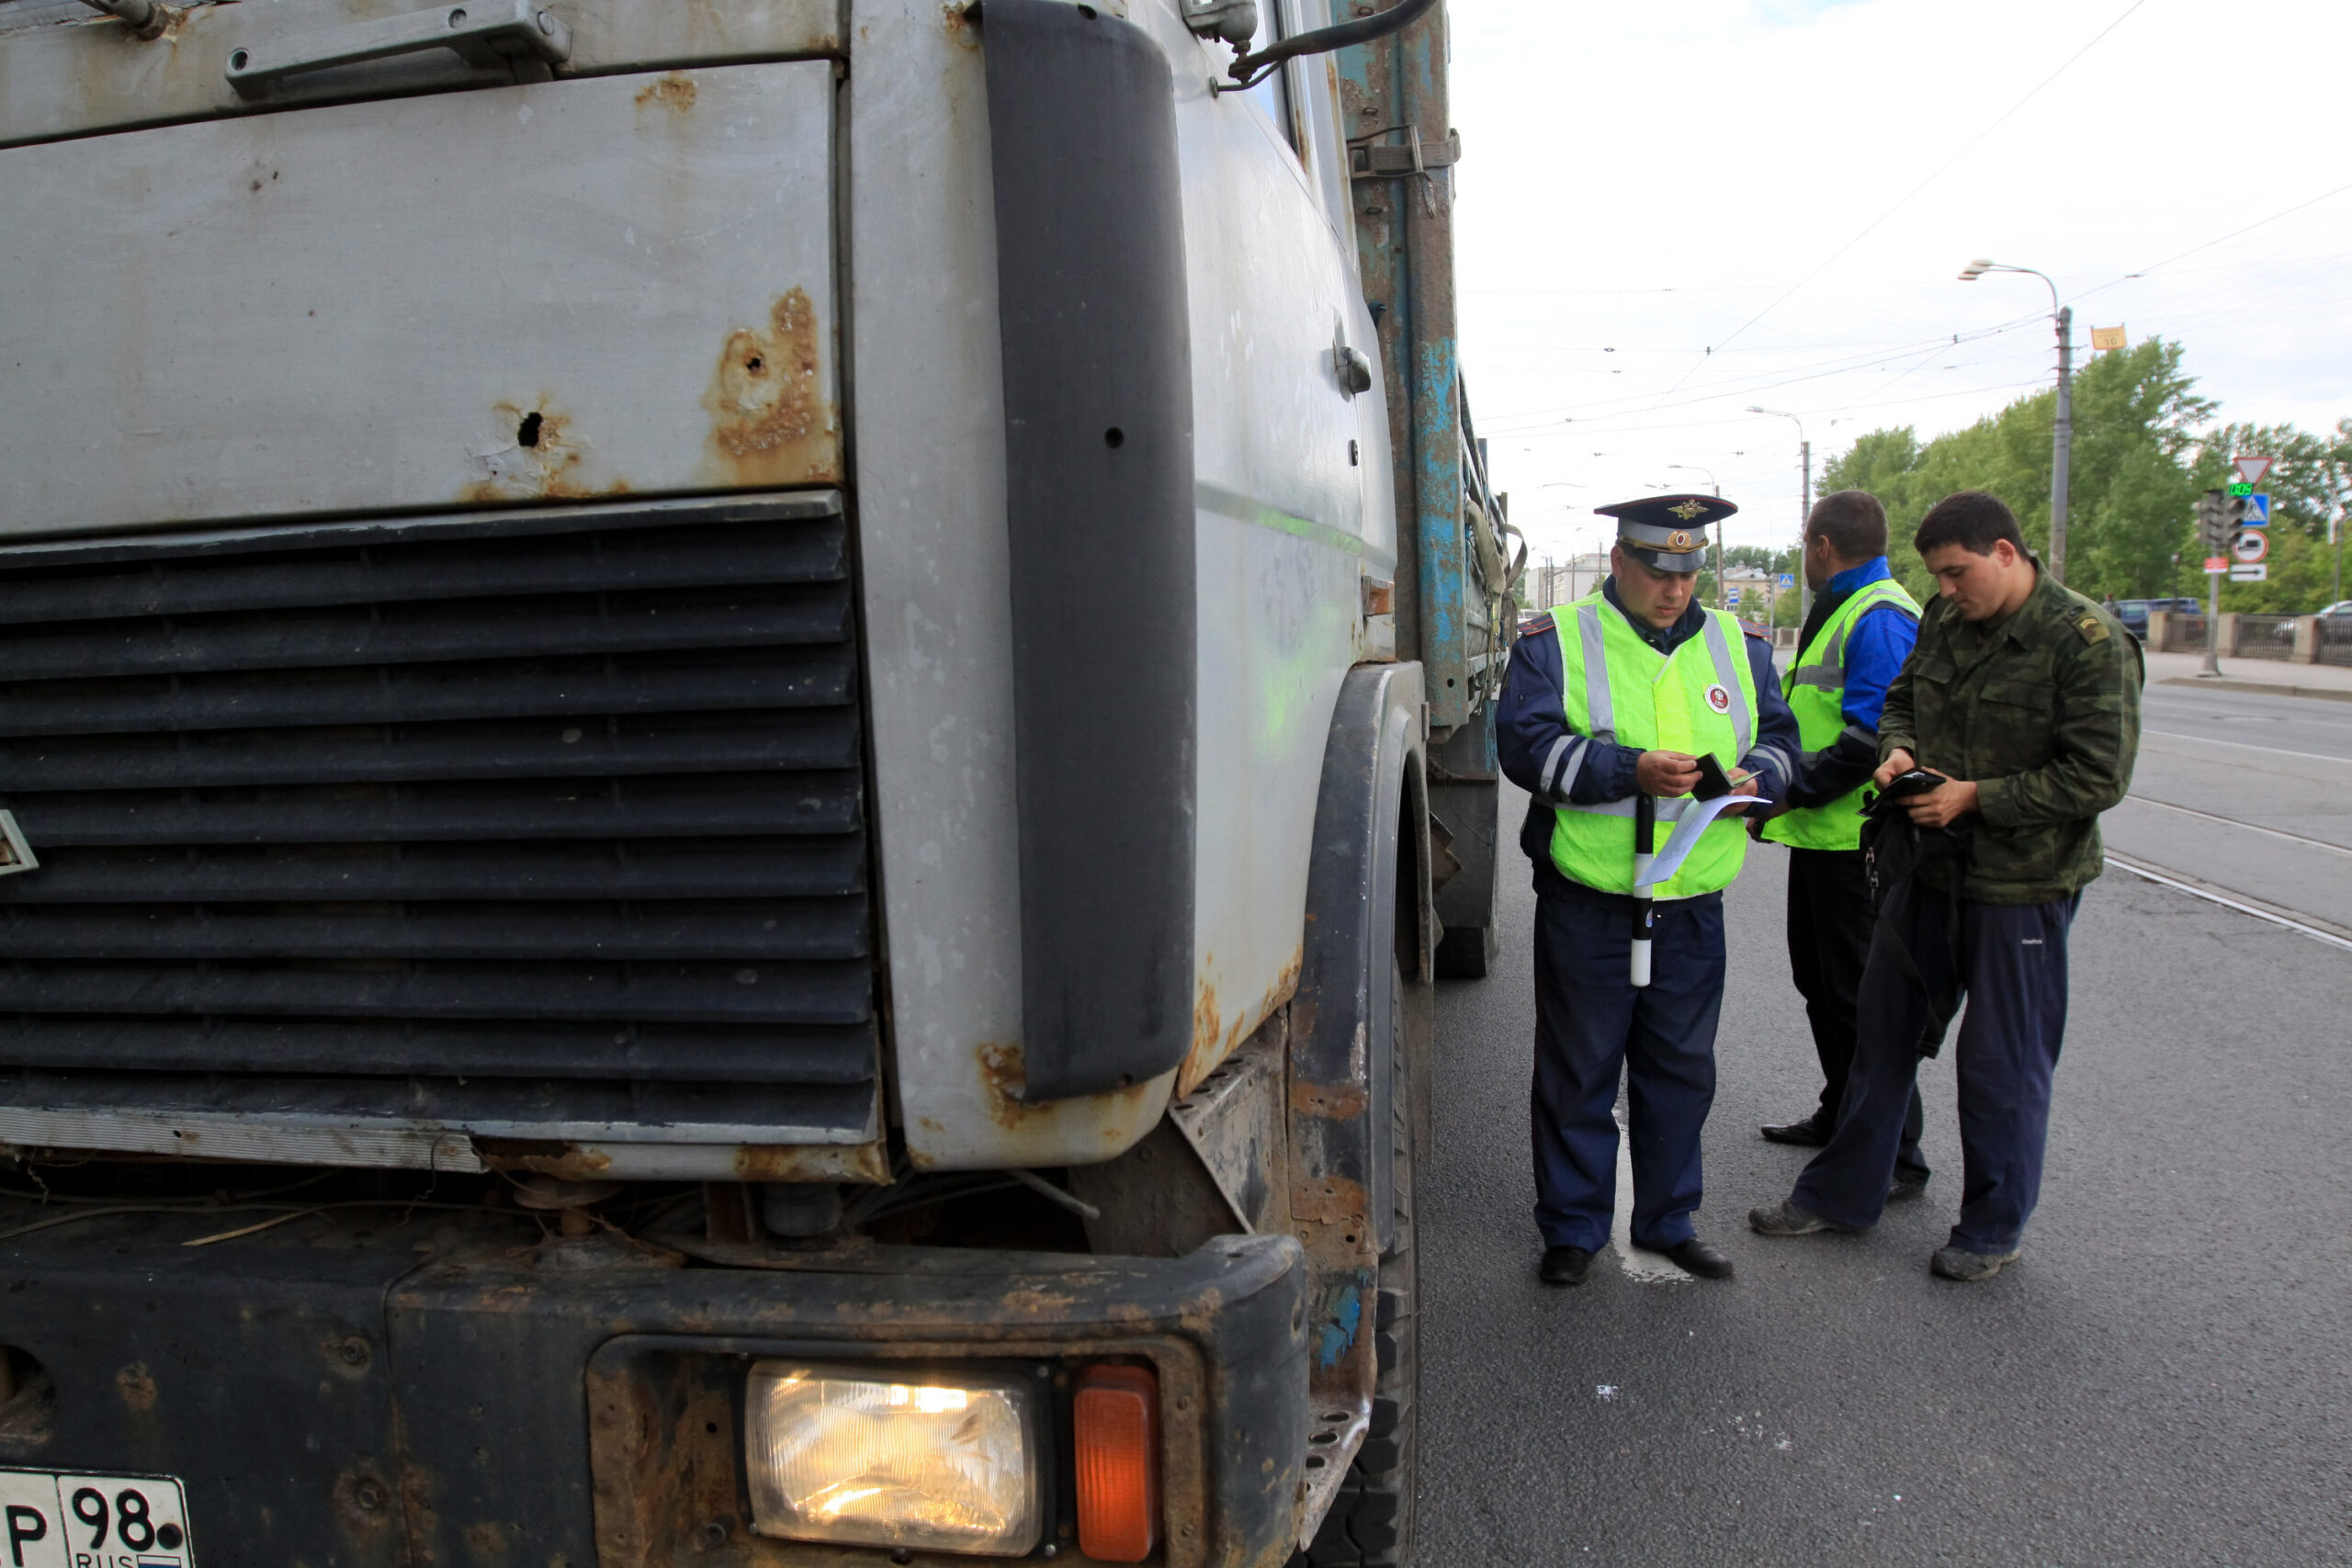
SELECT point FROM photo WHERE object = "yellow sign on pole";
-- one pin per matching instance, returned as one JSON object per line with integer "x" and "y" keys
{"x": 2104, "y": 338}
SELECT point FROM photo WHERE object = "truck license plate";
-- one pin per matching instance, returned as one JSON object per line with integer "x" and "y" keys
{"x": 55, "y": 1520}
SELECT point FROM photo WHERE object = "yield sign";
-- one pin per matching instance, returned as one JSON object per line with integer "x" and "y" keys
{"x": 2251, "y": 470}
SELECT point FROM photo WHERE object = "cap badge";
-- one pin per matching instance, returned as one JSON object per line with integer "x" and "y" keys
{"x": 1718, "y": 698}
{"x": 1687, "y": 509}
{"x": 1678, "y": 540}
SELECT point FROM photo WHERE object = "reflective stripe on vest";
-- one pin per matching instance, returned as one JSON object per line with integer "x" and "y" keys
{"x": 1616, "y": 687}
{"x": 1816, "y": 692}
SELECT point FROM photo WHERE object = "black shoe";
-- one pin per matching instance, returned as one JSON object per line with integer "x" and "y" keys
{"x": 1564, "y": 1266}
{"x": 1952, "y": 1263}
{"x": 1784, "y": 1218}
{"x": 1903, "y": 1189}
{"x": 1808, "y": 1133}
{"x": 1695, "y": 1256}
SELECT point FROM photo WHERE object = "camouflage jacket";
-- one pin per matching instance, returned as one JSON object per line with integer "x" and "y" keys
{"x": 2042, "y": 711}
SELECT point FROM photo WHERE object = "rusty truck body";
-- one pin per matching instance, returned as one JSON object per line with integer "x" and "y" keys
{"x": 738, "y": 737}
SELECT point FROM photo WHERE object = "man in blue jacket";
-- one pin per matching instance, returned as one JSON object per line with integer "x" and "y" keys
{"x": 1860, "y": 632}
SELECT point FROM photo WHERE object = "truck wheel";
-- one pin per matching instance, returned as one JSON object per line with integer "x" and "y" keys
{"x": 1371, "y": 1521}
{"x": 1464, "y": 953}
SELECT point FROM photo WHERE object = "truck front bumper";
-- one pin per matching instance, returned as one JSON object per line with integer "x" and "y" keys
{"x": 331, "y": 1399}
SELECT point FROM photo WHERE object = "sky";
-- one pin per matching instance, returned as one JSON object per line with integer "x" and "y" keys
{"x": 1668, "y": 212}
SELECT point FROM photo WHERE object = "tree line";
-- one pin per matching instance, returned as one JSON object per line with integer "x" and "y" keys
{"x": 2146, "y": 446}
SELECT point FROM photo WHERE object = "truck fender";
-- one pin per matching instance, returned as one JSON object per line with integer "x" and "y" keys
{"x": 1367, "y": 898}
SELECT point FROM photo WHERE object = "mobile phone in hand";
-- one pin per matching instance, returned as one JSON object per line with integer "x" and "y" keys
{"x": 1713, "y": 780}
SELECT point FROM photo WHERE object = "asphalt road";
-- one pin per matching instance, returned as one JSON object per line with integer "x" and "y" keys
{"x": 2246, "y": 795}
{"x": 2164, "y": 1378}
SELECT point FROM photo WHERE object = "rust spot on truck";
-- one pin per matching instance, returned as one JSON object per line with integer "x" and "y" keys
{"x": 547, "y": 1156}
{"x": 363, "y": 1502}
{"x": 1207, "y": 1035}
{"x": 1336, "y": 1102}
{"x": 1004, "y": 1077}
{"x": 1328, "y": 1199}
{"x": 491, "y": 1544}
{"x": 535, "y": 456}
{"x": 137, "y": 1386}
{"x": 958, "y": 17}
{"x": 867, "y": 1163}
{"x": 1214, "y": 1040}
{"x": 673, "y": 90}
{"x": 770, "y": 422}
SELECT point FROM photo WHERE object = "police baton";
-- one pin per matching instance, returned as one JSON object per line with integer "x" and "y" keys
{"x": 1645, "y": 848}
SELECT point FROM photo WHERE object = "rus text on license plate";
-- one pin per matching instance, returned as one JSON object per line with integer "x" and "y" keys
{"x": 54, "y": 1519}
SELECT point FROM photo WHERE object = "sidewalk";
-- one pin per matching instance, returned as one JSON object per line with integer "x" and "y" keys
{"x": 2274, "y": 677}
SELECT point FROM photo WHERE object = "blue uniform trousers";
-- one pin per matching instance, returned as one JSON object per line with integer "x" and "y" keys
{"x": 1590, "y": 1024}
{"x": 2012, "y": 959}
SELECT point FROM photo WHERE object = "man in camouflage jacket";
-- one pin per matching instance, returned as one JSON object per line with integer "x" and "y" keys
{"x": 2025, "y": 697}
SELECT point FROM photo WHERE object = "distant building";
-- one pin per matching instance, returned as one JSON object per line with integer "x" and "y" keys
{"x": 1550, "y": 583}
{"x": 1749, "y": 592}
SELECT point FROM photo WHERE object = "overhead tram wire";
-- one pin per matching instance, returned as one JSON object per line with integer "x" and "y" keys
{"x": 2234, "y": 234}
{"x": 1751, "y": 386}
{"x": 1905, "y": 199}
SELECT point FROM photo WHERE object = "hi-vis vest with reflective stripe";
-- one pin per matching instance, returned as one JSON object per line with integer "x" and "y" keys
{"x": 1816, "y": 692}
{"x": 1614, "y": 686}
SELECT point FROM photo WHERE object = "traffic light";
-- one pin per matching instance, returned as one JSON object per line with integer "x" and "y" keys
{"x": 2213, "y": 521}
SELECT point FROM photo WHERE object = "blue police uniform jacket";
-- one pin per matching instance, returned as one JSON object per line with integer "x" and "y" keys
{"x": 1530, "y": 719}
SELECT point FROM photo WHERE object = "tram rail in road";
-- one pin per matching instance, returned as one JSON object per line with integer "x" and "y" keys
{"x": 2262, "y": 829}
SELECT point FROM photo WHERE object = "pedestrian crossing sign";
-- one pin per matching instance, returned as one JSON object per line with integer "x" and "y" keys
{"x": 2257, "y": 512}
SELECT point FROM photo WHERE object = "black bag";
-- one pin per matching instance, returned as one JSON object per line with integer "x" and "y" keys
{"x": 1894, "y": 847}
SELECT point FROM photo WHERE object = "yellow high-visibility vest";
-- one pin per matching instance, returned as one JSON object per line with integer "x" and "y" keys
{"x": 1613, "y": 686}
{"x": 1816, "y": 692}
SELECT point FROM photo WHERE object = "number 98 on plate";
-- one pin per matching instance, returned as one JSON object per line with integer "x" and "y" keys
{"x": 52, "y": 1519}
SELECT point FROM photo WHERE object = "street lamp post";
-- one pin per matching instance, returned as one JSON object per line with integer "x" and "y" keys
{"x": 1804, "y": 505}
{"x": 2062, "y": 436}
{"x": 1721, "y": 602}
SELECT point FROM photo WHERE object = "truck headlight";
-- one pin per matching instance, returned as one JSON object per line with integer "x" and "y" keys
{"x": 851, "y": 1454}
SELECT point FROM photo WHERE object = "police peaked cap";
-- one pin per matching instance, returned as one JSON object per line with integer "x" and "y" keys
{"x": 1669, "y": 532}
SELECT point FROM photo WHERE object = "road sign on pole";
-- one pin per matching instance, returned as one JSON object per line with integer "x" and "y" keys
{"x": 2249, "y": 547}
{"x": 2257, "y": 511}
{"x": 2216, "y": 565}
{"x": 1788, "y": 579}
{"x": 2257, "y": 572}
{"x": 2252, "y": 471}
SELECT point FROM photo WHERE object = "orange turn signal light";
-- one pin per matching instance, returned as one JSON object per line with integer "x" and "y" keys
{"x": 1116, "y": 1413}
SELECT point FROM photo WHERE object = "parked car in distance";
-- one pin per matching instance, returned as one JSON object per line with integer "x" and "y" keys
{"x": 2133, "y": 613}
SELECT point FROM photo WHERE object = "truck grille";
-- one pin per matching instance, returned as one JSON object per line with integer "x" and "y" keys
{"x": 548, "y": 819}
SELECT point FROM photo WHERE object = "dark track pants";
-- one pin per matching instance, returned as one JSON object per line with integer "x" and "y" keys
{"x": 1829, "y": 925}
{"x": 2013, "y": 960}
{"x": 1590, "y": 1025}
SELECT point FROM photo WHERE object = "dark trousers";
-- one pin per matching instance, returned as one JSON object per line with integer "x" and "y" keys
{"x": 1829, "y": 925}
{"x": 2012, "y": 959}
{"x": 1590, "y": 1025}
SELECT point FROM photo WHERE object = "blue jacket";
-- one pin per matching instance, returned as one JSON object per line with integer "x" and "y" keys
{"x": 1876, "y": 650}
{"x": 1876, "y": 647}
{"x": 1531, "y": 719}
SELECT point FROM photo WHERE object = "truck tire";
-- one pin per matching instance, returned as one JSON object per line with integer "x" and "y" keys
{"x": 1371, "y": 1521}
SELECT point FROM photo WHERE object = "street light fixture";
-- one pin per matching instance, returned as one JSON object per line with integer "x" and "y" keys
{"x": 1805, "y": 458}
{"x": 2062, "y": 436}
{"x": 1721, "y": 602}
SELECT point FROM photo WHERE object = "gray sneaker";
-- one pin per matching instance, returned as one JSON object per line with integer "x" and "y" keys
{"x": 1952, "y": 1263}
{"x": 1784, "y": 1218}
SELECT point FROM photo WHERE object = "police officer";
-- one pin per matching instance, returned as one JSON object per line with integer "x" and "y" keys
{"x": 2025, "y": 699}
{"x": 1858, "y": 634}
{"x": 1615, "y": 696}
